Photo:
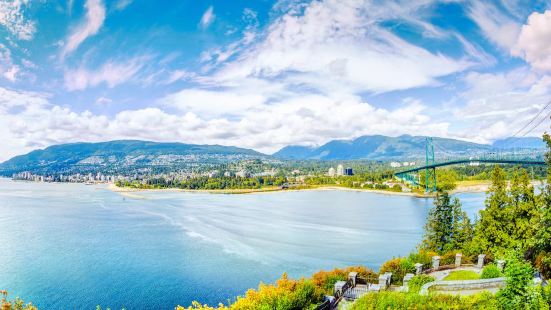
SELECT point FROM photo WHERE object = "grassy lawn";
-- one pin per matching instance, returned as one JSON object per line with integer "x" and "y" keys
{"x": 463, "y": 275}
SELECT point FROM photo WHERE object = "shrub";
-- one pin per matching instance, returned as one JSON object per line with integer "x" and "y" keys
{"x": 543, "y": 264}
{"x": 415, "y": 284}
{"x": 16, "y": 304}
{"x": 285, "y": 294}
{"x": 325, "y": 280}
{"x": 399, "y": 267}
{"x": 396, "y": 300}
{"x": 490, "y": 271}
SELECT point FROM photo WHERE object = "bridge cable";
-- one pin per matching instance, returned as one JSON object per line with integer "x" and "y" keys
{"x": 532, "y": 120}
{"x": 538, "y": 124}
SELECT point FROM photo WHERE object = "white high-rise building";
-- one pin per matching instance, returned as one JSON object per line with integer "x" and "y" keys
{"x": 340, "y": 169}
{"x": 331, "y": 172}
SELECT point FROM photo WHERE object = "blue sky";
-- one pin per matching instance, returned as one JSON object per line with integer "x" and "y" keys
{"x": 266, "y": 74}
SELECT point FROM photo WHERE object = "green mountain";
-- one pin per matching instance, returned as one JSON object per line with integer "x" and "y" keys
{"x": 123, "y": 156}
{"x": 379, "y": 147}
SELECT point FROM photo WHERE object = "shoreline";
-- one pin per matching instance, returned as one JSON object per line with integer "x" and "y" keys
{"x": 132, "y": 192}
{"x": 462, "y": 187}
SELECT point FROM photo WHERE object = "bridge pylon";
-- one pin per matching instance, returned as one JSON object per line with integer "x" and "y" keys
{"x": 430, "y": 172}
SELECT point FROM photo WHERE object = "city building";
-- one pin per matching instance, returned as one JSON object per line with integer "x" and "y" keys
{"x": 331, "y": 172}
{"x": 348, "y": 171}
{"x": 340, "y": 169}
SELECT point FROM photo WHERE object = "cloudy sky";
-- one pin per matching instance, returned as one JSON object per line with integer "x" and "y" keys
{"x": 266, "y": 74}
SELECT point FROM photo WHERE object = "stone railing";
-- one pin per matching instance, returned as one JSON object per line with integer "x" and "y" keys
{"x": 435, "y": 264}
{"x": 460, "y": 285}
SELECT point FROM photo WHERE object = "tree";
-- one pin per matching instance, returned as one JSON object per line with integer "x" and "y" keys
{"x": 448, "y": 227}
{"x": 493, "y": 230}
{"x": 524, "y": 209}
{"x": 519, "y": 291}
{"x": 542, "y": 238}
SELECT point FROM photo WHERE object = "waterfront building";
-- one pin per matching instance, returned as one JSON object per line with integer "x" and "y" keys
{"x": 340, "y": 169}
{"x": 348, "y": 171}
{"x": 331, "y": 172}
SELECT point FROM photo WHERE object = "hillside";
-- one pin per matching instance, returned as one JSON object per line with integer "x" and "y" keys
{"x": 381, "y": 148}
{"x": 121, "y": 156}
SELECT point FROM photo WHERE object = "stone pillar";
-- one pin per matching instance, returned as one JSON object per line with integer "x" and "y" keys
{"x": 338, "y": 286}
{"x": 388, "y": 276}
{"x": 407, "y": 277}
{"x": 480, "y": 263}
{"x": 435, "y": 262}
{"x": 500, "y": 264}
{"x": 418, "y": 268}
{"x": 382, "y": 281}
{"x": 353, "y": 276}
{"x": 458, "y": 260}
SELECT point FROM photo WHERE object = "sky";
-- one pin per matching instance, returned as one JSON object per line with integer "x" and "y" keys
{"x": 266, "y": 74}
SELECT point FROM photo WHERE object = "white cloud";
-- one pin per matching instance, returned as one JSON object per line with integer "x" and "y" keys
{"x": 31, "y": 121}
{"x": 207, "y": 18}
{"x": 534, "y": 42}
{"x": 103, "y": 100}
{"x": 122, "y": 4}
{"x": 500, "y": 104}
{"x": 12, "y": 17}
{"x": 334, "y": 45}
{"x": 95, "y": 15}
{"x": 111, "y": 73}
{"x": 495, "y": 25}
{"x": 8, "y": 69}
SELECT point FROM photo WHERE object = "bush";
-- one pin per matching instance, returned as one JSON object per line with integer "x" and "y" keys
{"x": 285, "y": 294}
{"x": 325, "y": 280}
{"x": 490, "y": 271}
{"x": 396, "y": 300}
{"x": 415, "y": 284}
{"x": 399, "y": 267}
{"x": 16, "y": 304}
{"x": 543, "y": 264}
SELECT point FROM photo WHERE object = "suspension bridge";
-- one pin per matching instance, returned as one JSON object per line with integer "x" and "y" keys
{"x": 525, "y": 157}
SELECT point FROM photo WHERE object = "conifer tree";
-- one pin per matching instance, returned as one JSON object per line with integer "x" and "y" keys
{"x": 493, "y": 230}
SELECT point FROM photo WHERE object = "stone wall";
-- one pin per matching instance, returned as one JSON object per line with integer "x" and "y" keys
{"x": 462, "y": 285}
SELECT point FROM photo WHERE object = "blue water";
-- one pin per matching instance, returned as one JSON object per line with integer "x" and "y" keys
{"x": 72, "y": 246}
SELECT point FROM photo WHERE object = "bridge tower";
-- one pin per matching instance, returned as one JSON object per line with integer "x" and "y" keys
{"x": 430, "y": 173}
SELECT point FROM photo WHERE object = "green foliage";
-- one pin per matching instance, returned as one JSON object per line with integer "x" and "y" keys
{"x": 396, "y": 300}
{"x": 542, "y": 237}
{"x": 326, "y": 279}
{"x": 492, "y": 231}
{"x": 462, "y": 275}
{"x": 447, "y": 227}
{"x": 490, "y": 271}
{"x": 17, "y": 304}
{"x": 518, "y": 292}
{"x": 286, "y": 294}
{"x": 399, "y": 267}
{"x": 415, "y": 283}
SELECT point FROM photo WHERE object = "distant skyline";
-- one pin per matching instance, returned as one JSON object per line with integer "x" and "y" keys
{"x": 267, "y": 74}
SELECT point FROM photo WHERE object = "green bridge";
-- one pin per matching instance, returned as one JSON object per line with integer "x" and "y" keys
{"x": 411, "y": 175}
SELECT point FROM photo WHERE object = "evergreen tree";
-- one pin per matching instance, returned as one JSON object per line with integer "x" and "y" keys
{"x": 524, "y": 209}
{"x": 542, "y": 238}
{"x": 448, "y": 227}
{"x": 493, "y": 230}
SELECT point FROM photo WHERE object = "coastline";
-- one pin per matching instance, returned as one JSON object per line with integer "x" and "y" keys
{"x": 131, "y": 192}
{"x": 462, "y": 187}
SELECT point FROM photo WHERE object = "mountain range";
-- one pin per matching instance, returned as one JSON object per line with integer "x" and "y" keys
{"x": 123, "y": 155}
{"x": 378, "y": 147}
{"x": 134, "y": 155}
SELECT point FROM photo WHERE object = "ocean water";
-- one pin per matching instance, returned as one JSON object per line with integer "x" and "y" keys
{"x": 72, "y": 246}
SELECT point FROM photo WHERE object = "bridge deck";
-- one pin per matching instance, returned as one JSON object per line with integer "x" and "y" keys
{"x": 466, "y": 161}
